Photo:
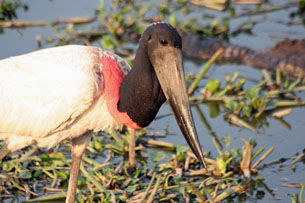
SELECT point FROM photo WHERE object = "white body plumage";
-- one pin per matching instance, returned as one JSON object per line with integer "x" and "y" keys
{"x": 54, "y": 94}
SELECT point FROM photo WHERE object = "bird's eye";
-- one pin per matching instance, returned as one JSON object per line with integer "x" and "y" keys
{"x": 149, "y": 38}
{"x": 163, "y": 42}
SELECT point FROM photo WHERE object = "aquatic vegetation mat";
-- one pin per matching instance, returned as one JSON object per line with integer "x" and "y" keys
{"x": 164, "y": 172}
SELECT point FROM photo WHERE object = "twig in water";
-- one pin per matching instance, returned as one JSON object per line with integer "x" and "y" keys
{"x": 156, "y": 143}
{"x": 298, "y": 158}
{"x": 203, "y": 71}
{"x": 148, "y": 187}
{"x": 228, "y": 192}
{"x": 293, "y": 184}
{"x": 20, "y": 24}
{"x": 132, "y": 152}
{"x": 153, "y": 193}
{"x": 246, "y": 158}
{"x": 92, "y": 180}
{"x": 262, "y": 158}
{"x": 17, "y": 185}
{"x": 247, "y": 1}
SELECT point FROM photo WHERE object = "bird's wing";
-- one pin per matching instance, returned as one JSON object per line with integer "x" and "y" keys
{"x": 45, "y": 91}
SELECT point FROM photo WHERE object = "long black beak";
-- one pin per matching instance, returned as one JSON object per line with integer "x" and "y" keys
{"x": 169, "y": 70}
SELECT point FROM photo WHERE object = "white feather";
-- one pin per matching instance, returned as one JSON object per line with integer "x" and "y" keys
{"x": 53, "y": 94}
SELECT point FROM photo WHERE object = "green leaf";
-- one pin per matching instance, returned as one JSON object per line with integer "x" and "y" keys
{"x": 181, "y": 149}
{"x": 213, "y": 85}
{"x": 232, "y": 105}
{"x": 172, "y": 20}
{"x": 57, "y": 156}
{"x": 260, "y": 177}
{"x": 98, "y": 145}
{"x": 45, "y": 158}
{"x": 125, "y": 9}
{"x": 63, "y": 175}
{"x": 182, "y": 190}
{"x": 107, "y": 43}
{"x": 123, "y": 198}
{"x": 246, "y": 110}
{"x": 163, "y": 8}
{"x": 79, "y": 198}
{"x": 130, "y": 189}
{"x": 25, "y": 174}
{"x": 182, "y": 1}
{"x": 237, "y": 154}
{"x": 37, "y": 174}
{"x": 8, "y": 166}
{"x": 214, "y": 109}
{"x": 156, "y": 156}
{"x": 81, "y": 182}
{"x": 221, "y": 165}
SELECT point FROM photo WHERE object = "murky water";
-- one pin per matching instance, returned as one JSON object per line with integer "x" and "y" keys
{"x": 266, "y": 33}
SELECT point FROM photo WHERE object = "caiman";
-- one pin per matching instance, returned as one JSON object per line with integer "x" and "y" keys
{"x": 287, "y": 55}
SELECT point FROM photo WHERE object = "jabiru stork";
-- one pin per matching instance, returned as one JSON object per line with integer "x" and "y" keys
{"x": 68, "y": 92}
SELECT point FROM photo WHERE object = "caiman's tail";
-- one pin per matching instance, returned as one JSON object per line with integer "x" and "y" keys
{"x": 287, "y": 56}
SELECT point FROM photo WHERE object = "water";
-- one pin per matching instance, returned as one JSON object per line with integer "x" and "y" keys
{"x": 22, "y": 40}
{"x": 265, "y": 34}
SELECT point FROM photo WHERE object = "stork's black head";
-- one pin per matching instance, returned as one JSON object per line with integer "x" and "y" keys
{"x": 160, "y": 35}
{"x": 158, "y": 72}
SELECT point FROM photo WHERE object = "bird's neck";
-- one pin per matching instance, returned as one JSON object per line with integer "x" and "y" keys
{"x": 113, "y": 78}
{"x": 140, "y": 94}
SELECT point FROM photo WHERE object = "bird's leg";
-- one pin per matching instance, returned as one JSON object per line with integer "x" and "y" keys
{"x": 132, "y": 151}
{"x": 78, "y": 147}
{"x": 4, "y": 151}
